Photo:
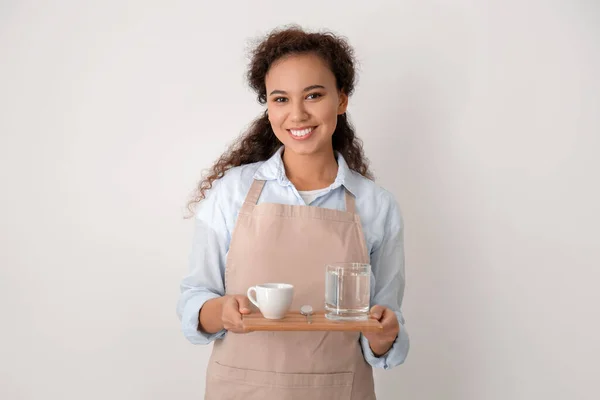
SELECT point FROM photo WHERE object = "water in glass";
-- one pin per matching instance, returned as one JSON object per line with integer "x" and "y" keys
{"x": 347, "y": 291}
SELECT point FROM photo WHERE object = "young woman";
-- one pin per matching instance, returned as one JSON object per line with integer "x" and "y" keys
{"x": 293, "y": 194}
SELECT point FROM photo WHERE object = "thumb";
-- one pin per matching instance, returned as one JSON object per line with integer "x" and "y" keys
{"x": 377, "y": 311}
{"x": 243, "y": 304}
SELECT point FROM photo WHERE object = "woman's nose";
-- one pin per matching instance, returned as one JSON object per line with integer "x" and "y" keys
{"x": 299, "y": 112}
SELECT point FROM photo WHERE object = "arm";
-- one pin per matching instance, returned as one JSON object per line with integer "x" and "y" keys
{"x": 202, "y": 304}
{"x": 204, "y": 284}
{"x": 390, "y": 347}
{"x": 209, "y": 320}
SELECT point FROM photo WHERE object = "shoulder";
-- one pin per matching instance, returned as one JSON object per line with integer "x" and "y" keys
{"x": 240, "y": 176}
{"x": 234, "y": 180}
{"x": 378, "y": 208}
{"x": 369, "y": 192}
{"x": 227, "y": 193}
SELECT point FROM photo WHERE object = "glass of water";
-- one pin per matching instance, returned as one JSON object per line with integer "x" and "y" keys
{"x": 347, "y": 291}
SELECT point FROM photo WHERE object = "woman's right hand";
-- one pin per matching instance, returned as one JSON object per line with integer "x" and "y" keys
{"x": 234, "y": 306}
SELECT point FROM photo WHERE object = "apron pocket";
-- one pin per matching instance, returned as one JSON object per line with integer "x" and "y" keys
{"x": 235, "y": 383}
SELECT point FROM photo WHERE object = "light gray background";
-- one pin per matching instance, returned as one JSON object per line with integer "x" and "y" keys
{"x": 481, "y": 117}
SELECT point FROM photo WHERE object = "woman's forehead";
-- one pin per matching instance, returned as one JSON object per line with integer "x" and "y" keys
{"x": 295, "y": 73}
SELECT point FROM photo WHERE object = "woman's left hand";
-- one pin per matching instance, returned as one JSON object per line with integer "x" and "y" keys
{"x": 381, "y": 342}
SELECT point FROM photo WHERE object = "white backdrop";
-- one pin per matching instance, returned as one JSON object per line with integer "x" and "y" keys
{"x": 481, "y": 117}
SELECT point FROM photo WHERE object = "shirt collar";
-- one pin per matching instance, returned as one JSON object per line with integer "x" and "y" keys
{"x": 273, "y": 169}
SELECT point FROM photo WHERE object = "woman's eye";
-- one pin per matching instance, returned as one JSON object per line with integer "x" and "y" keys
{"x": 313, "y": 96}
{"x": 280, "y": 100}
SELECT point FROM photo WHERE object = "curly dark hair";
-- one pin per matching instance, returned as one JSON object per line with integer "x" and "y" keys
{"x": 259, "y": 142}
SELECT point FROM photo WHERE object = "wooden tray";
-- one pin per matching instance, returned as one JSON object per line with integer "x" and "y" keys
{"x": 294, "y": 321}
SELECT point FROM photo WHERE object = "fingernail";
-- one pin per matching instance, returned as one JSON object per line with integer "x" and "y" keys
{"x": 244, "y": 309}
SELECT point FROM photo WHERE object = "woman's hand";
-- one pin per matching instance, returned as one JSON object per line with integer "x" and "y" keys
{"x": 234, "y": 306}
{"x": 381, "y": 342}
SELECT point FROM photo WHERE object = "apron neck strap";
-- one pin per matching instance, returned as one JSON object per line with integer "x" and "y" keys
{"x": 350, "y": 202}
{"x": 253, "y": 194}
{"x": 258, "y": 185}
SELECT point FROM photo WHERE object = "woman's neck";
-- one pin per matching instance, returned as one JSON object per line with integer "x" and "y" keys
{"x": 310, "y": 172}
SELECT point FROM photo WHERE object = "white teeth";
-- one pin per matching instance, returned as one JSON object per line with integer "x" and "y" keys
{"x": 301, "y": 133}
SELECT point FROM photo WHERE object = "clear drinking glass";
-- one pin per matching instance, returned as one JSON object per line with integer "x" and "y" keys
{"x": 347, "y": 291}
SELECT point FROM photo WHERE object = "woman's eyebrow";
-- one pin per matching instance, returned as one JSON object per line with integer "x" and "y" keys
{"x": 306, "y": 89}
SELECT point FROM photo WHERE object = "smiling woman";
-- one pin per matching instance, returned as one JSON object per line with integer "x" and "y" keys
{"x": 304, "y": 103}
{"x": 303, "y": 132}
{"x": 260, "y": 218}
{"x": 261, "y": 140}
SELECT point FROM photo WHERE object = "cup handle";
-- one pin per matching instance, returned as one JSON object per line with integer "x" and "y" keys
{"x": 252, "y": 299}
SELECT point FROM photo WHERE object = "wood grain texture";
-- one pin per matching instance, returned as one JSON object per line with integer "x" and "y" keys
{"x": 294, "y": 321}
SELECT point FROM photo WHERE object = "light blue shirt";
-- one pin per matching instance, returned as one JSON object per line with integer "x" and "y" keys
{"x": 216, "y": 217}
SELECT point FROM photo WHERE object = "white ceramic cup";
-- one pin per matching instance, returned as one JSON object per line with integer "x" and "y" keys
{"x": 272, "y": 299}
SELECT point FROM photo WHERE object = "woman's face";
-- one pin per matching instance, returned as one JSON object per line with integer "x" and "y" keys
{"x": 303, "y": 103}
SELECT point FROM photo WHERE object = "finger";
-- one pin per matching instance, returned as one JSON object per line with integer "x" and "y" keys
{"x": 390, "y": 323}
{"x": 244, "y": 304}
{"x": 231, "y": 314}
{"x": 377, "y": 312}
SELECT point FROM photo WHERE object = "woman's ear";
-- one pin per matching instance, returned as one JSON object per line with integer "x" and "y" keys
{"x": 343, "y": 105}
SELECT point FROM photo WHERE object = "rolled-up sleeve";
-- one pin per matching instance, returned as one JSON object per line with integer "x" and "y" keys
{"x": 205, "y": 278}
{"x": 387, "y": 261}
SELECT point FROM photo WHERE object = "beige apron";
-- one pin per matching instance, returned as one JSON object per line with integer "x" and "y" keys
{"x": 291, "y": 244}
